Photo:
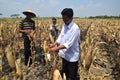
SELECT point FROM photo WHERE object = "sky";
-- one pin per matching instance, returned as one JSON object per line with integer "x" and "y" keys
{"x": 53, "y": 8}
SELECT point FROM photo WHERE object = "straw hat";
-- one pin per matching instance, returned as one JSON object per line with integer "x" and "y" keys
{"x": 29, "y": 12}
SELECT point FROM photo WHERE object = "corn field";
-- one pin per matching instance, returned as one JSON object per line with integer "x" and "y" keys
{"x": 99, "y": 55}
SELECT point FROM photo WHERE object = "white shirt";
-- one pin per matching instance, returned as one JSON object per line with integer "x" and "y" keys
{"x": 69, "y": 37}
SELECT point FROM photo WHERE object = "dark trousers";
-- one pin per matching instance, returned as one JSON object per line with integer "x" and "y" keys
{"x": 27, "y": 51}
{"x": 70, "y": 69}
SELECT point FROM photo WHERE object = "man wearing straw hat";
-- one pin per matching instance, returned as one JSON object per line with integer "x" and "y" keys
{"x": 27, "y": 26}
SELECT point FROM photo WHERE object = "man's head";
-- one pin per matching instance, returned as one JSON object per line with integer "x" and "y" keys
{"x": 67, "y": 15}
{"x": 29, "y": 14}
{"x": 54, "y": 20}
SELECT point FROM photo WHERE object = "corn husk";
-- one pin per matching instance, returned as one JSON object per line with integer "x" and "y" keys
{"x": 46, "y": 47}
{"x": 57, "y": 75}
{"x": 10, "y": 58}
{"x": 64, "y": 76}
{"x": 18, "y": 68}
{"x": 48, "y": 56}
{"x": 88, "y": 59}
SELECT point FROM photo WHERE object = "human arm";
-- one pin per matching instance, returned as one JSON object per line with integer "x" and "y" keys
{"x": 25, "y": 31}
{"x": 56, "y": 48}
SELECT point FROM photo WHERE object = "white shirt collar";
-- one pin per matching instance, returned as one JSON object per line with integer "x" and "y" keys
{"x": 69, "y": 26}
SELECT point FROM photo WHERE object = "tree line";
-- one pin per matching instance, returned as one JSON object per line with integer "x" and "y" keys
{"x": 91, "y": 17}
{"x": 104, "y": 17}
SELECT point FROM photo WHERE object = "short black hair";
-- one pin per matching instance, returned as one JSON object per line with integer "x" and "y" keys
{"x": 68, "y": 12}
{"x": 53, "y": 18}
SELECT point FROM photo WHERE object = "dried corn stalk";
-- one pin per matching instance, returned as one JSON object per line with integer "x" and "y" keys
{"x": 51, "y": 38}
{"x": 18, "y": 68}
{"x": 83, "y": 53}
{"x": 0, "y": 63}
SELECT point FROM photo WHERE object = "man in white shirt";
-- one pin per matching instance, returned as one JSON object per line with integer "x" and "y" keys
{"x": 68, "y": 45}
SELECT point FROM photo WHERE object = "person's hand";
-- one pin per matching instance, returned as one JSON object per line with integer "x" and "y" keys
{"x": 51, "y": 45}
{"x": 29, "y": 31}
{"x": 54, "y": 49}
{"x": 31, "y": 34}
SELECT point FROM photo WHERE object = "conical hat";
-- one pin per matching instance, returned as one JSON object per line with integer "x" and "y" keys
{"x": 29, "y": 12}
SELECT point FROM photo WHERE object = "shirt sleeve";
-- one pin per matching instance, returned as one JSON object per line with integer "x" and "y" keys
{"x": 56, "y": 26}
{"x": 21, "y": 25}
{"x": 59, "y": 38}
{"x": 33, "y": 25}
{"x": 74, "y": 36}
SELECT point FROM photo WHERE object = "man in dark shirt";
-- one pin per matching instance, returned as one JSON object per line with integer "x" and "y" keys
{"x": 27, "y": 27}
{"x": 54, "y": 28}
